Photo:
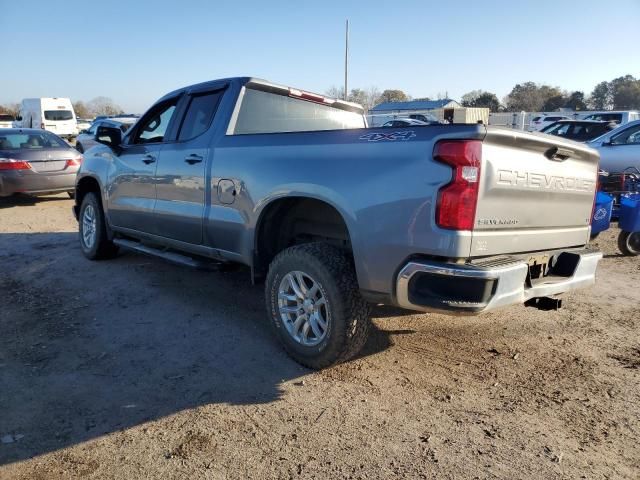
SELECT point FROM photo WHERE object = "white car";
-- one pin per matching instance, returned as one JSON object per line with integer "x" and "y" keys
{"x": 84, "y": 124}
{"x": 542, "y": 121}
{"x": 7, "y": 120}
{"x": 87, "y": 138}
{"x": 404, "y": 122}
{"x": 620, "y": 148}
{"x": 619, "y": 117}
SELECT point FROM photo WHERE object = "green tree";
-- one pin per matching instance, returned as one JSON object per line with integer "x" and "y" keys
{"x": 481, "y": 99}
{"x": 532, "y": 97}
{"x": 553, "y": 103}
{"x": 625, "y": 93}
{"x": 392, "y": 96}
{"x": 576, "y": 101}
{"x": 524, "y": 97}
{"x": 601, "y": 98}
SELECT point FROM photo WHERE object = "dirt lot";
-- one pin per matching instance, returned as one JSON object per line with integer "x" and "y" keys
{"x": 135, "y": 368}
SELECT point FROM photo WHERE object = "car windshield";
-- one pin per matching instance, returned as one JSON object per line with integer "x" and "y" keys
{"x": 30, "y": 141}
{"x": 58, "y": 115}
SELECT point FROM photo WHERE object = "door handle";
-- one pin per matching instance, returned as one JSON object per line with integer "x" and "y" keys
{"x": 193, "y": 159}
{"x": 147, "y": 159}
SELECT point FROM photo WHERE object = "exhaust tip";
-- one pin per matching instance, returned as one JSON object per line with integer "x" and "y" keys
{"x": 544, "y": 303}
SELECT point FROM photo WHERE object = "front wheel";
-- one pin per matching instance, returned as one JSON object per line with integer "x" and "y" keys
{"x": 94, "y": 242}
{"x": 629, "y": 243}
{"x": 315, "y": 305}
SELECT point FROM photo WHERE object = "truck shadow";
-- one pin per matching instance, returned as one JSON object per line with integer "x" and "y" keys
{"x": 90, "y": 348}
{"x": 28, "y": 200}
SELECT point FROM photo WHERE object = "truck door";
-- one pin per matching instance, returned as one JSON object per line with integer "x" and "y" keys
{"x": 132, "y": 186}
{"x": 181, "y": 174}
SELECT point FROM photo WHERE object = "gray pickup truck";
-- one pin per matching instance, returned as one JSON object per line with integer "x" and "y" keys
{"x": 335, "y": 217}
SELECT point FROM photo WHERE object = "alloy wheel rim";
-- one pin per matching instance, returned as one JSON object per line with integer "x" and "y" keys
{"x": 89, "y": 226}
{"x": 302, "y": 305}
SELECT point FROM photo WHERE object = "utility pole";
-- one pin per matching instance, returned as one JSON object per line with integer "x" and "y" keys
{"x": 346, "y": 60}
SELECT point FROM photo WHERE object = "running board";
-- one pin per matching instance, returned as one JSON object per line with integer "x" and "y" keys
{"x": 169, "y": 255}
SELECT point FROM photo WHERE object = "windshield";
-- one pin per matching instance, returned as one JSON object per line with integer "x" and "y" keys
{"x": 58, "y": 115}
{"x": 30, "y": 141}
{"x": 6, "y": 118}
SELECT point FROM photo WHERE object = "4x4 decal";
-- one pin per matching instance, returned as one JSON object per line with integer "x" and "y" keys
{"x": 377, "y": 136}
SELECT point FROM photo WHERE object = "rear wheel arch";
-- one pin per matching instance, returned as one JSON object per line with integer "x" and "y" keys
{"x": 296, "y": 220}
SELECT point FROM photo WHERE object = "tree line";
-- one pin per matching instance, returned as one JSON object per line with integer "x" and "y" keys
{"x": 622, "y": 93}
{"x": 90, "y": 109}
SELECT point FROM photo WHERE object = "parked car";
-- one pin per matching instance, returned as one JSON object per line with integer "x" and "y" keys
{"x": 578, "y": 130}
{"x": 542, "y": 121}
{"x": 83, "y": 124}
{"x": 333, "y": 215}
{"x": 36, "y": 162}
{"x": 86, "y": 138}
{"x": 7, "y": 120}
{"x": 53, "y": 114}
{"x": 620, "y": 148}
{"x": 425, "y": 117}
{"x": 404, "y": 122}
{"x": 619, "y": 117}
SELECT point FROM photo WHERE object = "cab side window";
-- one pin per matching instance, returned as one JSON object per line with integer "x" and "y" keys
{"x": 199, "y": 114}
{"x": 153, "y": 127}
{"x": 628, "y": 137}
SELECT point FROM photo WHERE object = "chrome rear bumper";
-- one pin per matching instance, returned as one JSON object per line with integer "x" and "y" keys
{"x": 433, "y": 286}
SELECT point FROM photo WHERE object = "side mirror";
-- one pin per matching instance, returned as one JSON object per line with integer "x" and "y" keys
{"x": 109, "y": 136}
{"x": 607, "y": 142}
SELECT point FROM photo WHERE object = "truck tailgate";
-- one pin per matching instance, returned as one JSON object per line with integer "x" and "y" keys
{"x": 536, "y": 193}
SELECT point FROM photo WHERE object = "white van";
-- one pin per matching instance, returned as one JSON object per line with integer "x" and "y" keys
{"x": 53, "y": 114}
{"x": 619, "y": 117}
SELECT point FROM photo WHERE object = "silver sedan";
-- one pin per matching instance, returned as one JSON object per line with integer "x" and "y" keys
{"x": 36, "y": 162}
{"x": 87, "y": 138}
{"x": 620, "y": 148}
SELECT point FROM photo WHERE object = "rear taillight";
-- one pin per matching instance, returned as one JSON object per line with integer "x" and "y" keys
{"x": 456, "y": 208}
{"x": 73, "y": 162}
{"x": 12, "y": 164}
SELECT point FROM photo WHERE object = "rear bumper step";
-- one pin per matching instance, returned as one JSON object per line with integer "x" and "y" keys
{"x": 434, "y": 286}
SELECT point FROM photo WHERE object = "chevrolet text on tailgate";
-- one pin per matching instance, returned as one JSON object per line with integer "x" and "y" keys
{"x": 333, "y": 216}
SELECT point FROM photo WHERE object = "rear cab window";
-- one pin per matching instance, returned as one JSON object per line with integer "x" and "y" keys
{"x": 272, "y": 109}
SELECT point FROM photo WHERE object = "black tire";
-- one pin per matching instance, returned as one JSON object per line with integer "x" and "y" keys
{"x": 79, "y": 147}
{"x": 348, "y": 314}
{"x": 72, "y": 194}
{"x": 102, "y": 247}
{"x": 629, "y": 243}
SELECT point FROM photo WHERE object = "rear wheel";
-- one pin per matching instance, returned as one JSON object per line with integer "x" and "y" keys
{"x": 629, "y": 243}
{"x": 94, "y": 241}
{"x": 72, "y": 194}
{"x": 315, "y": 305}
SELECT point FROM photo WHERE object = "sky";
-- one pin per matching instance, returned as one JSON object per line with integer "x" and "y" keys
{"x": 136, "y": 51}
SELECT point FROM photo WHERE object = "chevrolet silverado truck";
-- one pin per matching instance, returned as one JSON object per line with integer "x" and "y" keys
{"x": 334, "y": 216}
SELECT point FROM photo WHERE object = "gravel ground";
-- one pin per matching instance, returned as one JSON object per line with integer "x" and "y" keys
{"x": 135, "y": 368}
